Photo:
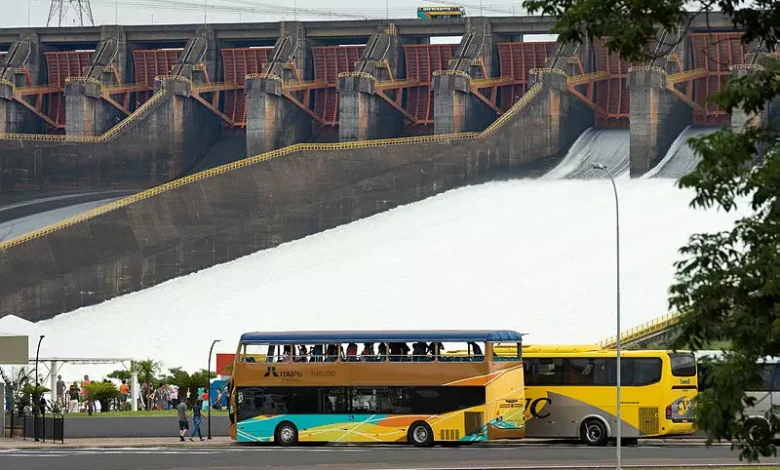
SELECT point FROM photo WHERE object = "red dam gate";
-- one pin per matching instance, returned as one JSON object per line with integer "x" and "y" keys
{"x": 60, "y": 66}
{"x": 151, "y": 63}
{"x": 237, "y": 64}
{"x": 611, "y": 92}
{"x": 714, "y": 52}
{"x": 516, "y": 59}
{"x": 421, "y": 61}
{"x": 329, "y": 62}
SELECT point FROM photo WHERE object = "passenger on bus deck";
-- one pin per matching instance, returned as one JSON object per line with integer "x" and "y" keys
{"x": 382, "y": 352}
{"x": 316, "y": 352}
{"x": 351, "y": 352}
{"x": 432, "y": 349}
{"x": 302, "y": 353}
{"x": 331, "y": 353}
{"x": 368, "y": 352}
{"x": 287, "y": 355}
{"x": 475, "y": 349}
{"x": 419, "y": 350}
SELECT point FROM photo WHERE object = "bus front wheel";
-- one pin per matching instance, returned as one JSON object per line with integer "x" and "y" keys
{"x": 286, "y": 434}
{"x": 594, "y": 433}
{"x": 420, "y": 434}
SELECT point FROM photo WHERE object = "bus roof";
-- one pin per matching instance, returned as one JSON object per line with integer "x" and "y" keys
{"x": 323, "y": 337}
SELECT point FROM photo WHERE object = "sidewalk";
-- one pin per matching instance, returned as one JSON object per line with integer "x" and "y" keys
{"x": 221, "y": 442}
{"x": 109, "y": 443}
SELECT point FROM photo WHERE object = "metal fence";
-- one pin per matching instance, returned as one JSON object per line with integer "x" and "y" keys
{"x": 40, "y": 427}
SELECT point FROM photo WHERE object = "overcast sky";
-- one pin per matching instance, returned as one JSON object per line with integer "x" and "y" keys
{"x": 36, "y": 12}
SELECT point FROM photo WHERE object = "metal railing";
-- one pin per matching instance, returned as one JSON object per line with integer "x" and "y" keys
{"x": 270, "y": 76}
{"x": 358, "y": 75}
{"x": 639, "y": 332}
{"x": 43, "y": 426}
{"x": 588, "y": 77}
{"x": 686, "y": 75}
{"x": 647, "y": 68}
{"x": 91, "y": 80}
{"x": 490, "y": 81}
{"x": 516, "y": 108}
{"x": 460, "y": 73}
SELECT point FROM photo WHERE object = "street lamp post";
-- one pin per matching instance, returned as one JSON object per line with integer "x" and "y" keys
{"x": 208, "y": 382}
{"x": 37, "y": 394}
{"x": 603, "y": 168}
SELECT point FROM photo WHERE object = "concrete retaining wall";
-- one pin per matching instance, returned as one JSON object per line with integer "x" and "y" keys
{"x": 235, "y": 213}
{"x": 167, "y": 426}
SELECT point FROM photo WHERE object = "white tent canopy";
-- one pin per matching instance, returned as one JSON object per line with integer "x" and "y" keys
{"x": 56, "y": 350}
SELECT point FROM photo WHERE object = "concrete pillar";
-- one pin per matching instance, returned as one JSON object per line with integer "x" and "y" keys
{"x": 53, "y": 381}
{"x": 657, "y": 118}
{"x": 264, "y": 109}
{"x": 455, "y": 108}
{"x": 451, "y": 103}
{"x": 741, "y": 120}
{"x": 134, "y": 386}
{"x": 297, "y": 51}
{"x": 363, "y": 115}
{"x": 272, "y": 121}
{"x": 87, "y": 113}
{"x": 11, "y": 117}
{"x": 109, "y": 63}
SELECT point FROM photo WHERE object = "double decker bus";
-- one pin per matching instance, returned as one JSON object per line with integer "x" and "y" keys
{"x": 370, "y": 386}
{"x": 430, "y": 13}
{"x": 571, "y": 393}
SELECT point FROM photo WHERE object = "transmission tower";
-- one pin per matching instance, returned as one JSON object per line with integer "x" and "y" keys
{"x": 59, "y": 10}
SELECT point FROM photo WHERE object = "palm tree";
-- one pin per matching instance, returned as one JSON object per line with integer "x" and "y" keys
{"x": 147, "y": 369}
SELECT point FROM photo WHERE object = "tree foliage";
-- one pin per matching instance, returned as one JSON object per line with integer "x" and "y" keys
{"x": 121, "y": 374}
{"x": 727, "y": 284}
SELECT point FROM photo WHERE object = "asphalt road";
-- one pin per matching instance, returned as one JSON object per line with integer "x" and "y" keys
{"x": 235, "y": 457}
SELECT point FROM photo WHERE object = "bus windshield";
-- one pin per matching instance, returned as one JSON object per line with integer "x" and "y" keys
{"x": 323, "y": 386}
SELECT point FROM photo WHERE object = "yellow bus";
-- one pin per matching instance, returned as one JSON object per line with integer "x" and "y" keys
{"x": 571, "y": 393}
{"x": 429, "y": 13}
{"x": 370, "y": 386}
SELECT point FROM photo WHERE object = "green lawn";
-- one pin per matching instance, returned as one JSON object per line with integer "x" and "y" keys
{"x": 138, "y": 414}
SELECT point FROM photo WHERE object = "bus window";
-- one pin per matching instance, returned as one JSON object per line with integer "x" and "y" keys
{"x": 545, "y": 372}
{"x": 776, "y": 386}
{"x": 683, "y": 365}
{"x": 642, "y": 371}
{"x": 766, "y": 372}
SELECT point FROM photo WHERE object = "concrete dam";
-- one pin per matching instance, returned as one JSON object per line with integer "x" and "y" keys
{"x": 243, "y": 137}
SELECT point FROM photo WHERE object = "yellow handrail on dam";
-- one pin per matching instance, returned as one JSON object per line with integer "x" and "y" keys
{"x": 514, "y": 110}
{"x": 646, "y": 329}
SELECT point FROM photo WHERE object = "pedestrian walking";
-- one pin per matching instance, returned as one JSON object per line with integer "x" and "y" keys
{"x": 196, "y": 416}
{"x": 183, "y": 424}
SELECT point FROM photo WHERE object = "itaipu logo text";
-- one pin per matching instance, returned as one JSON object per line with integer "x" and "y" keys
{"x": 285, "y": 374}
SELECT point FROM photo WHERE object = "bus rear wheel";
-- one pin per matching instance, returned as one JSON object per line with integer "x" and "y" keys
{"x": 594, "y": 433}
{"x": 420, "y": 434}
{"x": 286, "y": 434}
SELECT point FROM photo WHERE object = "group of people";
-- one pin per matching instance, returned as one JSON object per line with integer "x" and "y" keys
{"x": 396, "y": 352}
{"x": 75, "y": 398}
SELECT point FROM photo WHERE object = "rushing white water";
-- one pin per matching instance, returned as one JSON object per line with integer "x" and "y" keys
{"x": 680, "y": 159}
{"x": 532, "y": 255}
{"x": 608, "y": 147}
